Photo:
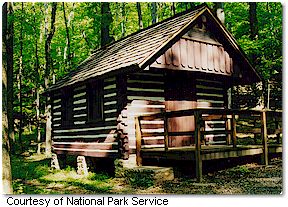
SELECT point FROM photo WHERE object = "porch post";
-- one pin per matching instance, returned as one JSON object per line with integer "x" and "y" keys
{"x": 198, "y": 158}
{"x": 138, "y": 141}
{"x": 264, "y": 137}
{"x": 233, "y": 130}
{"x": 228, "y": 129}
{"x": 166, "y": 136}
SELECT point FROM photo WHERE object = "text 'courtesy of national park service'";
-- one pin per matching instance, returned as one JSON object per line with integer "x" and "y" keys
{"x": 82, "y": 201}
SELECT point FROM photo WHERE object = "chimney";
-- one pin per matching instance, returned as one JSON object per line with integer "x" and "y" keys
{"x": 220, "y": 14}
{"x": 218, "y": 9}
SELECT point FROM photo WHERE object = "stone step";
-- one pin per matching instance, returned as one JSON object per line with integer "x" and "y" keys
{"x": 151, "y": 174}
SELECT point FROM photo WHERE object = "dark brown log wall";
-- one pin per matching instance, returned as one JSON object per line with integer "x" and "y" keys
{"x": 145, "y": 95}
{"x": 81, "y": 137}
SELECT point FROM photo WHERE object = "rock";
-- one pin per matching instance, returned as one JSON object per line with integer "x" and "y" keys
{"x": 142, "y": 175}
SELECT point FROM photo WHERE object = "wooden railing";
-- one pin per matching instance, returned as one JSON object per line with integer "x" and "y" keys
{"x": 230, "y": 116}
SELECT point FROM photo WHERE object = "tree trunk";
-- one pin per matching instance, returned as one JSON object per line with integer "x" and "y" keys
{"x": 7, "y": 79}
{"x": 38, "y": 129}
{"x": 9, "y": 49}
{"x": 49, "y": 36}
{"x": 154, "y": 12}
{"x": 123, "y": 29}
{"x": 36, "y": 67}
{"x": 253, "y": 36}
{"x": 20, "y": 80}
{"x": 67, "y": 49}
{"x": 106, "y": 20}
{"x": 173, "y": 8}
{"x": 253, "y": 20}
{"x": 219, "y": 11}
{"x": 140, "y": 21}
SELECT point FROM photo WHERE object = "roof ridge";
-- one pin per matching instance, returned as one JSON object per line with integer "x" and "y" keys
{"x": 150, "y": 26}
{"x": 102, "y": 49}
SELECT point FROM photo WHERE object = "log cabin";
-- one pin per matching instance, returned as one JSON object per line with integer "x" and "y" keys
{"x": 189, "y": 61}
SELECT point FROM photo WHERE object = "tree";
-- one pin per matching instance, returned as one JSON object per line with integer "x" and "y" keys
{"x": 253, "y": 20}
{"x": 49, "y": 36}
{"x": 67, "y": 52}
{"x": 7, "y": 87}
{"x": 154, "y": 12}
{"x": 140, "y": 21}
{"x": 106, "y": 20}
{"x": 173, "y": 8}
{"x": 20, "y": 79}
{"x": 123, "y": 29}
{"x": 37, "y": 84}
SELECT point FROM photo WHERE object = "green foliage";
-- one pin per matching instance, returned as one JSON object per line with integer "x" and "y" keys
{"x": 84, "y": 29}
{"x": 98, "y": 176}
{"x": 140, "y": 178}
{"x": 32, "y": 175}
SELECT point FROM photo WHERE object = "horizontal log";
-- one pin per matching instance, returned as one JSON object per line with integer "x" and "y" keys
{"x": 94, "y": 136}
{"x": 136, "y": 77}
{"x": 110, "y": 95}
{"x": 146, "y": 94}
{"x": 209, "y": 82}
{"x": 148, "y": 98}
{"x": 83, "y": 87}
{"x": 101, "y": 153}
{"x": 111, "y": 79}
{"x": 216, "y": 132}
{"x": 80, "y": 108}
{"x": 252, "y": 131}
{"x": 83, "y": 111}
{"x": 146, "y": 85}
{"x": 110, "y": 103}
{"x": 87, "y": 146}
{"x": 109, "y": 107}
{"x": 214, "y": 117}
{"x": 85, "y": 130}
{"x": 152, "y": 126}
{"x": 110, "y": 91}
{"x": 152, "y": 134}
{"x": 111, "y": 114}
{"x": 153, "y": 142}
{"x": 186, "y": 133}
{"x": 210, "y": 88}
{"x": 152, "y": 146}
{"x": 110, "y": 86}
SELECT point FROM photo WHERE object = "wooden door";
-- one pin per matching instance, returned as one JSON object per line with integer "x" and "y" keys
{"x": 180, "y": 95}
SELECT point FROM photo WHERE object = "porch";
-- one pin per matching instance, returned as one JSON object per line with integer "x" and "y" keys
{"x": 243, "y": 133}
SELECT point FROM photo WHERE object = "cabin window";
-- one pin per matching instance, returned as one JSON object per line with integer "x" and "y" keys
{"x": 95, "y": 101}
{"x": 67, "y": 107}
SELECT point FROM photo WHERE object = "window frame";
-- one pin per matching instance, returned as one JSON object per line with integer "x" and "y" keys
{"x": 95, "y": 106}
{"x": 67, "y": 107}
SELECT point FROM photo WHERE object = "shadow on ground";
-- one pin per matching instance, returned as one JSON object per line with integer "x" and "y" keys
{"x": 32, "y": 175}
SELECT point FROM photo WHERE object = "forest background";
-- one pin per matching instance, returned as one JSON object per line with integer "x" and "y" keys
{"x": 42, "y": 42}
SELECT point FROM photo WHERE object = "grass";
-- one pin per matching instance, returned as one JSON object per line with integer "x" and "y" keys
{"x": 32, "y": 175}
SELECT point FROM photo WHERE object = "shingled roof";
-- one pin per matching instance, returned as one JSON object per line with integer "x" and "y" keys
{"x": 137, "y": 50}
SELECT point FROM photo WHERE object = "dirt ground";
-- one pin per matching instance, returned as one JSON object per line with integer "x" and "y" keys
{"x": 244, "y": 179}
{"x": 32, "y": 175}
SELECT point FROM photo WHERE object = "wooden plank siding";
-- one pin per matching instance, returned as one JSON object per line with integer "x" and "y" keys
{"x": 84, "y": 137}
{"x": 193, "y": 55}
